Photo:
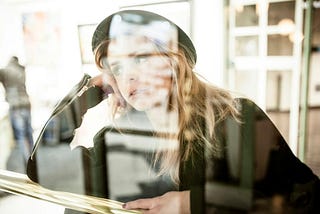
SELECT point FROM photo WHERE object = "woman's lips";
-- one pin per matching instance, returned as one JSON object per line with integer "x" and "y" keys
{"x": 137, "y": 92}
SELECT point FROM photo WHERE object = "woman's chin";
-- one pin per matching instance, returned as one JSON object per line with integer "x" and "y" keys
{"x": 146, "y": 105}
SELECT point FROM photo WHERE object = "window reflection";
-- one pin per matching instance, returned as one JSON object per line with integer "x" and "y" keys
{"x": 280, "y": 10}
{"x": 246, "y": 15}
{"x": 279, "y": 45}
{"x": 131, "y": 173}
{"x": 247, "y": 46}
{"x": 247, "y": 170}
{"x": 278, "y": 98}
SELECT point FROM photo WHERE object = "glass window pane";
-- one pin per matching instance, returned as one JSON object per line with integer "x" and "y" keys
{"x": 280, "y": 10}
{"x": 316, "y": 29}
{"x": 247, "y": 83}
{"x": 246, "y": 16}
{"x": 278, "y": 99}
{"x": 247, "y": 46}
{"x": 279, "y": 45}
{"x": 278, "y": 90}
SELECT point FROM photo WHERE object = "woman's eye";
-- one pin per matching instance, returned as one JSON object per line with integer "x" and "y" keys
{"x": 141, "y": 59}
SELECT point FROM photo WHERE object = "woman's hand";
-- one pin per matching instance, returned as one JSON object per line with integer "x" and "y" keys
{"x": 170, "y": 202}
{"x": 102, "y": 80}
{"x": 109, "y": 85}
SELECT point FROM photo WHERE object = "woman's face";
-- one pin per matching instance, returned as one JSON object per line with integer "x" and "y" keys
{"x": 143, "y": 73}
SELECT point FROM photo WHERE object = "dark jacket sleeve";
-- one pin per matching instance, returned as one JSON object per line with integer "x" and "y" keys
{"x": 278, "y": 171}
{"x": 1, "y": 75}
{"x": 192, "y": 177}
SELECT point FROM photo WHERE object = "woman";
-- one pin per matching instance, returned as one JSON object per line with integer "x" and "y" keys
{"x": 214, "y": 138}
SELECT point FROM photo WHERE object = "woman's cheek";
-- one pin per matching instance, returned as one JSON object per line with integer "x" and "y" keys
{"x": 123, "y": 87}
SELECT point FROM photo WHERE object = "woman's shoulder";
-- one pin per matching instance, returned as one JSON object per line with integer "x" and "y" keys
{"x": 246, "y": 105}
{"x": 243, "y": 101}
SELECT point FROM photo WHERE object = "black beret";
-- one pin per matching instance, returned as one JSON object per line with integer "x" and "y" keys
{"x": 102, "y": 31}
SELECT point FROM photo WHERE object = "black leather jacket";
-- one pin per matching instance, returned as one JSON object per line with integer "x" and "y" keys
{"x": 250, "y": 170}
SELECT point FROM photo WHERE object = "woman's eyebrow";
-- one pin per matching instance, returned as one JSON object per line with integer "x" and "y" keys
{"x": 117, "y": 59}
{"x": 133, "y": 54}
{"x": 114, "y": 63}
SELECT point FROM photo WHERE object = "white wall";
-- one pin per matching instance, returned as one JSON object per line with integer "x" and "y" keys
{"x": 10, "y": 34}
{"x": 208, "y": 36}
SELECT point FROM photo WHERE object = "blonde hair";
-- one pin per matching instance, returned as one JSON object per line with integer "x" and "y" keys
{"x": 200, "y": 107}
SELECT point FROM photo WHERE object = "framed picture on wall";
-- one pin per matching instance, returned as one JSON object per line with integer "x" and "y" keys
{"x": 85, "y": 33}
{"x": 41, "y": 36}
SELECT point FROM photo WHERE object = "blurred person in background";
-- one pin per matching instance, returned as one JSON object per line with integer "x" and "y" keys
{"x": 13, "y": 78}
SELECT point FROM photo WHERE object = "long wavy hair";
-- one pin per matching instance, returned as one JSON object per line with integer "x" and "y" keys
{"x": 200, "y": 107}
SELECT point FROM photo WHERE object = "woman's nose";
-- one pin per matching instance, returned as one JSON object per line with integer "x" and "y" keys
{"x": 132, "y": 74}
{"x": 133, "y": 70}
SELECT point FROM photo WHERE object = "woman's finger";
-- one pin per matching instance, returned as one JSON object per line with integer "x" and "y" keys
{"x": 144, "y": 204}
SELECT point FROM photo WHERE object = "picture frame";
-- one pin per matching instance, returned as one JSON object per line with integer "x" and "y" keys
{"x": 85, "y": 33}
